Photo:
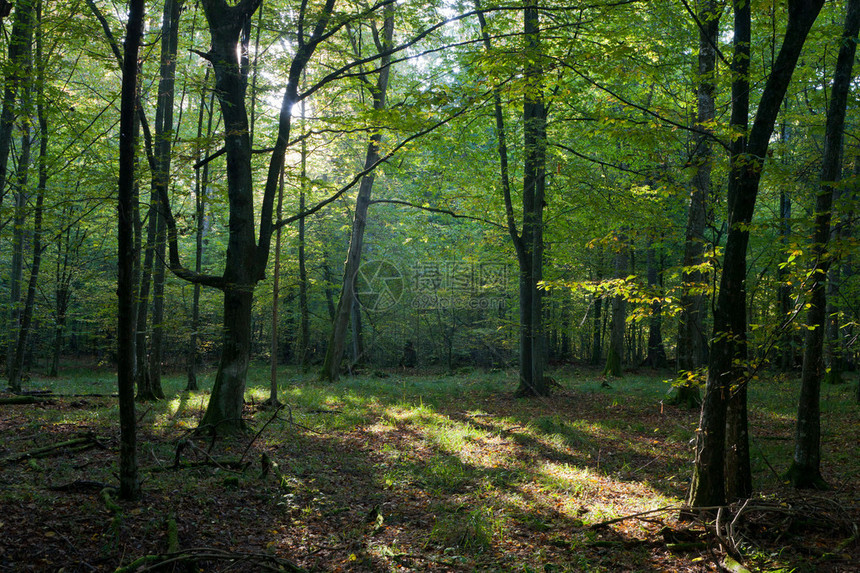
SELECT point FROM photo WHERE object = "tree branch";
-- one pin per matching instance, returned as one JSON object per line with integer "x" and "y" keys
{"x": 437, "y": 210}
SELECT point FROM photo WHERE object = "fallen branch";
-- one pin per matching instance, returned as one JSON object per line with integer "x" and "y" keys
{"x": 257, "y": 435}
{"x": 76, "y": 444}
{"x": 79, "y": 486}
{"x": 260, "y": 561}
{"x": 15, "y": 400}
{"x": 634, "y": 516}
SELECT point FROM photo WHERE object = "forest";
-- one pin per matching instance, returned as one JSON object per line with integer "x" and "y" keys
{"x": 451, "y": 285}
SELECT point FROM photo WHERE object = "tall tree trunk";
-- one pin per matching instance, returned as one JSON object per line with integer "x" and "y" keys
{"x": 615, "y": 355}
{"x": 20, "y": 41}
{"x": 692, "y": 343}
{"x": 727, "y": 370}
{"x": 17, "y": 366}
{"x": 596, "y": 328}
{"x": 528, "y": 244}
{"x": 805, "y": 471}
{"x": 17, "y": 272}
{"x": 141, "y": 316}
{"x": 303, "y": 346}
{"x": 337, "y": 341}
{"x": 786, "y": 351}
{"x": 160, "y": 181}
{"x": 156, "y": 341}
{"x": 20, "y": 48}
{"x": 276, "y": 281}
{"x": 532, "y": 345}
{"x": 656, "y": 357}
{"x": 246, "y": 258}
{"x": 129, "y": 485}
{"x": 201, "y": 188}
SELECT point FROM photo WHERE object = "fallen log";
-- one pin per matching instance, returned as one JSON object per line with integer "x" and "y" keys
{"x": 75, "y": 444}
{"x": 15, "y": 400}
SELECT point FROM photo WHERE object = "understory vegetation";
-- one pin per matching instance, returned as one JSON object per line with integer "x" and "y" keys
{"x": 404, "y": 471}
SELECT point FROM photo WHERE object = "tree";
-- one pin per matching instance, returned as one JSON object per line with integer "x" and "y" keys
{"x": 16, "y": 366}
{"x": 153, "y": 269}
{"x": 129, "y": 485}
{"x": 728, "y": 358}
{"x": 15, "y": 76}
{"x": 615, "y": 353}
{"x": 347, "y": 303}
{"x": 528, "y": 242}
{"x": 805, "y": 467}
{"x": 229, "y": 28}
{"x": 656, "y": 350}
{"x": 201, "y": 189}
{"x": 692, "y": 342}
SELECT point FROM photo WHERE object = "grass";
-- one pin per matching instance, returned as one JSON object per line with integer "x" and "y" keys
{"x": 456, "y": 474}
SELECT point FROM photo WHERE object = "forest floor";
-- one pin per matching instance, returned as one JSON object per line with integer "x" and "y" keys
{"x": 414, "y": 472}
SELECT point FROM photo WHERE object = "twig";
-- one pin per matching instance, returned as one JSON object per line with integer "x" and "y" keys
{"x": 211, "y": 460}
{"x": 142, "y": 416}
{"x": 257, "y": 435}
{"x": 260, "y": 560}
{"x": 79, "y": 485}
{"x": 635, "y": 515}
{"x": 766, "y": 461}
{"x": 731, "y": 527}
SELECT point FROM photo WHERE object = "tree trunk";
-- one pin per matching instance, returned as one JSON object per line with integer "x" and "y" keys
{"x": 201, "y": 187}
{"x": 303, "y": 350}
{"x": 738, "y": 470}
{"x": 276, "y": 281}
{"x": 157, "y": 337}
{"x": 656, "y": 357}
{"x": 246, "y": 258}
{"x": 532, "y": 350}
{"x": 17, "y": 366}
{"x": 727, "y": 368}
{"x": 596, "y": 327}
{"x": 805, "y": 471}
{"x": 20, "y": 41}
{"x": 17, "y": 272}
{"x": 786, "y": 351}
{"x": 615, "y": 356}
{"x": 141, "y": 317}
{"x": 692, "y": 343}
{"x": 160, "y": 181}
{"x": 304, "y": 338}
{"x": 129, "y": 485}
{"x": 529, "y": 243}
{"x": 337, "y": 341}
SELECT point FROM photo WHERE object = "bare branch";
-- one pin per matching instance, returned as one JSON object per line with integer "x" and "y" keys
{"x": 438, "y": 210}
